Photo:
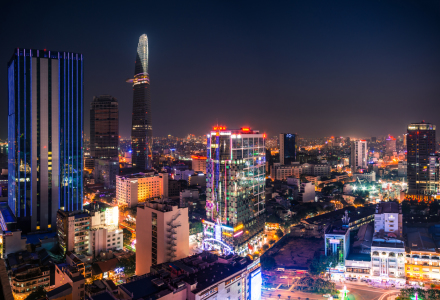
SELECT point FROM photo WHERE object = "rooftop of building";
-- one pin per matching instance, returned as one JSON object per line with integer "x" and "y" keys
{"x": 388, "y": 208}
{"x": 63, "y": 290}
{"x": 139, "y": 175}
{"x": 104, "y": 295}
{"x": 420, "y": 241}
{"x": 7, "y": 214}
{"x": 243, "y": 130}
{"x": 365, "y": 236}
{"x": 162, "y": 205}
{"x": 354, "y": 214}
{"x": 76, "y": 213}
{"x": 388, "y": 244}
{"x": 359, "y": 256}
{"x": 337, "y": 229}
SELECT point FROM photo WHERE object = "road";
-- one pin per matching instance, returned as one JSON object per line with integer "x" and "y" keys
{"x": 356, "y": 291}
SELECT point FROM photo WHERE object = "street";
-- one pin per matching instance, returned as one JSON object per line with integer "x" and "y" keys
{"x": 356, "y": 291}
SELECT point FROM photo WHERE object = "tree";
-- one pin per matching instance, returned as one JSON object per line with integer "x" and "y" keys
{"x": 267, "y": 262}
{"x": 265, "y": 247}
{"x": 359, "y": 201}
{"x": 272, "y": 242}
{"x": 39, "y": 293}
{"x": 128, "y": 264}
{"x": 127, "y": 235}
{"x": 279, "y": 233}
{"x": 320, "y": 264}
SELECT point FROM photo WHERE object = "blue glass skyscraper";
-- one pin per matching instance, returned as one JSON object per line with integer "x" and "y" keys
{"x": 45, "y": 136}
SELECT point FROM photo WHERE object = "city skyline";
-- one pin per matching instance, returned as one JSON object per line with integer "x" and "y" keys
{"x": 378, "y": 56}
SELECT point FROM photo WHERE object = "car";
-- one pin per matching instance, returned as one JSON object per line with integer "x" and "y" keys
{"x": 326, "y": 295}
{"x": 283, "y": 277}
{"x": 280, "y": 269}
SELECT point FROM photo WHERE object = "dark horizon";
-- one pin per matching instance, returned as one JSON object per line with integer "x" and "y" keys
{"x": 315, "y": 68}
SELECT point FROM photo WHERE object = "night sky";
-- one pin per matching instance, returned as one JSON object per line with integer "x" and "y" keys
{"x": 317, "y": 68}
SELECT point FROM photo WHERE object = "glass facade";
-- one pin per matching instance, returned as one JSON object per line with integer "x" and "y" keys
{"x": 45, "y": 135}
{"x": 420, "y": 146}
{"x": 236, "y": 184}
{"x": 142, "y": 129}
{"x": 287, "y": 148}
{"x": 104, "y": 127}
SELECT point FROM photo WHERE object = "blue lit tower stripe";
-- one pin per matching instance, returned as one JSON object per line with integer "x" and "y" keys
{"x": 17, "y": 163}
{"x": 82, "y": 133}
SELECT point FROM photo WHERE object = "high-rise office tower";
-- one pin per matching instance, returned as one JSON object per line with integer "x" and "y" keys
{"x": 142, "y": 129}
{"x": 104, "y": 127}
{"x": 287, "y": 148}
{"x": 420, "y": 147}
{"x": 235, "y": 190}
{"x": 45, "y": 136}
{"x": 359, "y": 155}
{"x": 390, "y": 145}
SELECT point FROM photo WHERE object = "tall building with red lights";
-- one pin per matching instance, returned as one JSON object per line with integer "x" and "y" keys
{"x": 421, "y": 157}
{"x": 141, "y": 129}
{"x": 235, "y": 190}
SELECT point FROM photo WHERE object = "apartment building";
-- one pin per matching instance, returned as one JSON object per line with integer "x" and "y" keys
{"x": 73, "y": 231}
{"x": 27, "y": 272}
{"x": 422, "y": 259}
{"x": 162, "y": 232}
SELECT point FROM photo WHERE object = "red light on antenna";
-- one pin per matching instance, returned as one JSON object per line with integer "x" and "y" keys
{"x": 44, "y": 49}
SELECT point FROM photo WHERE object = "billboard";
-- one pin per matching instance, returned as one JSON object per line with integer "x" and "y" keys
{"x": 256, "y": 284}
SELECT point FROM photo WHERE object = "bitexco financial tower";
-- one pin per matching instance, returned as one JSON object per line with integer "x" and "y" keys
{"x": 141, "y": 130}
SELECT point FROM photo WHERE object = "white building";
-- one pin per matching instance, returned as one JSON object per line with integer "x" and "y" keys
{"x": 388, "y": 218}
{"x": 388, "y": 260}
{"x": 359, "y": 155}
{"x": 368, "y": 176}
{"x": 162, "y": 233}
{"x": 306, "y": 192}
{"x": 134, "y": 188}
{"x": 281, "y": 172}
{"x": 103, "y": 239}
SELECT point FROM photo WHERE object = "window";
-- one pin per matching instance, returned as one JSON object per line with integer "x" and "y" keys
{"x": 228, "y": 290}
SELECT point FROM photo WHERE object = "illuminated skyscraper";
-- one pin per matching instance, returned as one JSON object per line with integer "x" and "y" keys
{"x": 104, "y": 127}
{"x": 45, "y": 136}
{"x": 420, "y": 152}
{"x": 142, "y": 129}
{"x": 287, "y": 148}
{"x": 235, "y": 189}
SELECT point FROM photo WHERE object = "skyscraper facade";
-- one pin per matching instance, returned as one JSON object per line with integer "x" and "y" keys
{"x": 45, "y": 136}
{"x": 235, "y": 205}
{"x": 390, "y": 145}
{"x": 287, "y": 148}
{"x": 420, "y": 151}
{"x": 104, "y": 127}
{"x": 359, "y": 155}
{"x": 141, "y": 130}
